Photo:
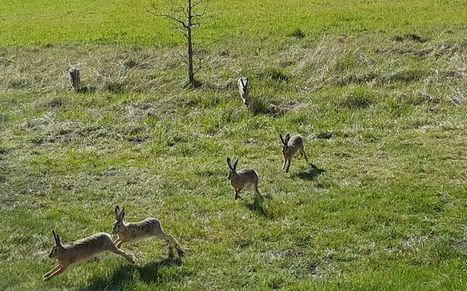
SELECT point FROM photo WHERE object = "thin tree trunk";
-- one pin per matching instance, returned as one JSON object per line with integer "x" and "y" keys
{"x": 186, "y": 22}
{"x": 191, "y": 77}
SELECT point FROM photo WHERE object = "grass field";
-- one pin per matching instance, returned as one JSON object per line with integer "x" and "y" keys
{"x": 27, "y": 22}
{"x": 386, "y": 78}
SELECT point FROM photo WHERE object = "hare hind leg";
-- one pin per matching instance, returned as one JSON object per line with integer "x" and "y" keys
{"x": 261, "y": 196}
{"x": 171, "y": 241}
{"x": 257, "y": 192}
{"x": 302, "y": 152}
{"x": 237, "y": 194}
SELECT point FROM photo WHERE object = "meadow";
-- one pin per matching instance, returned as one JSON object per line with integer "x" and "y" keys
{"x": 376, "y": 88}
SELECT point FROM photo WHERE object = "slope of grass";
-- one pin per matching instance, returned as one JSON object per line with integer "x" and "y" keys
{"x": 384, "y": 210}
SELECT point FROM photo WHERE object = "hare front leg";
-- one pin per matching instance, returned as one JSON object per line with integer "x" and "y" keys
{"x": 237, "y": 195}
{"x": 118, "y": 243}
{"x": 287, "y": 166}
{"x": 51, "y": 271}
{"x": 54, "y": 272}
{"x": 115, "y": 250}
{"x": 244, "y": 100}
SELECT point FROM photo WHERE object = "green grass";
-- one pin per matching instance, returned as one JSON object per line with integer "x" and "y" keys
{"x": 27, "y": 22}
{"x": 388, "y": 80}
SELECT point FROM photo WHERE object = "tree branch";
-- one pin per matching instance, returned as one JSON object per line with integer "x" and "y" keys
{"x": 173, "y": 18}
{"x": 200, "y": 65}
{"x": 202, "y": 13}
{"x": 184, "y": 20}
{"x": 196, "y": 3}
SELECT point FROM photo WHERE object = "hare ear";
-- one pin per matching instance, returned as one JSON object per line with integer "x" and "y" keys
{"x": 56, "y": 238}
{"x": 122, "y": 214}
{"x": 117, "y": 212}
{"x": 229, "y": 163}
{"x": 282, "y": 139}
{"x": 235, "y": 165}
{"x": 287, "y": 138}
{"x": 241, "y": 82}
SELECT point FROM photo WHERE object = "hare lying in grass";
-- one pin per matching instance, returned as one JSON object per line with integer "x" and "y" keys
{"x": 243, "y": 89}
{"x": 135, "y": 231}
{"x": 243, "y": 179}
{"x": 290, "y": 146}
{"x": 81, "y": 250}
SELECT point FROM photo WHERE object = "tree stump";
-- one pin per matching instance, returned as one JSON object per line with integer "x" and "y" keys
{"x": 74, "y": 77}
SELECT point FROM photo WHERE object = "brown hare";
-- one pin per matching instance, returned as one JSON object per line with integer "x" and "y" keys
{"x": 81, "y": 250}
{"x": 135, "y": 231}
{"x": 290, "y": 146}
{"x": 241, "y": 179}
{"x": 243, "y": 89}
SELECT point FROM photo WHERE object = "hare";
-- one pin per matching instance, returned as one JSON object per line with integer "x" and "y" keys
{"x": 290, "y": 146}
{"x": 135, "y": 231}
{"x": 81, "y": 250}
{"x": 243, "y": 179}
{"x": 243, "y": 89}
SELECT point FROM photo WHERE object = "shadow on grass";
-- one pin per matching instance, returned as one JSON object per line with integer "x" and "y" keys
{"x": 87, "y": 89}
{"x": 149, "y": 273}
{"x": 460, "y": 245}
{"x": 258, "y": 207}
{"x": 311, "y": 173}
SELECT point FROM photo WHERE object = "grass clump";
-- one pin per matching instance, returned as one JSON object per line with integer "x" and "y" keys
{"x": 359, "y": 98}
{"x": 113, "y": 86}
{"x": 18, "y": 83}
{"x": 258, "y": 106}
{"x": 410, "y": 37}
{"x": 406, "y": 76}
{"x": 298, "y": 33}
{"x": 273, "y": 73}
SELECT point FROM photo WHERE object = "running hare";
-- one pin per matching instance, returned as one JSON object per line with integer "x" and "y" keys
{"x": 290, "y": 146}
{"x": 243, "y": 179}
{"x": 135, "y": 231}
{"x": 243, "y": 89}
{"x": 81, "y": 250}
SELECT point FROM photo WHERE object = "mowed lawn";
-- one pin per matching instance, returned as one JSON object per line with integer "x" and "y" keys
{"x": 377, "y": 89}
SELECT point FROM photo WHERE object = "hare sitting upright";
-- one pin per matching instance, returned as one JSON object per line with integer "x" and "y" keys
{"x": 243, "y": 179}
{"x": 135, "y": 231}
{"x": 81, "y": 250}
{"x": 290, "y": 146}
{"x": 243, "y": 89}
